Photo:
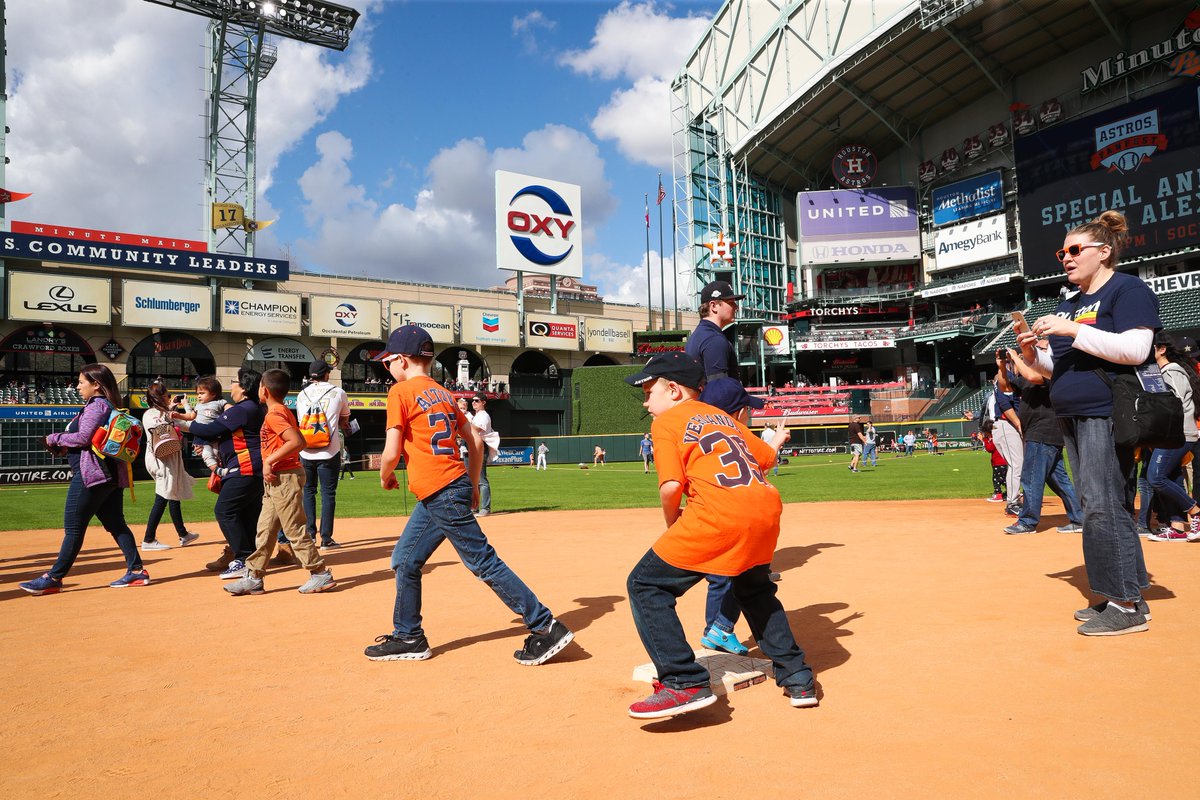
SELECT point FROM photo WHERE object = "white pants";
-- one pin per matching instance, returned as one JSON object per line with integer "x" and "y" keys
{"x": 541, "y": 462}
{"x": 1011, "y": 446}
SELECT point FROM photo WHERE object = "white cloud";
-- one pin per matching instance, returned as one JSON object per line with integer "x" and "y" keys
{"x": 638, "y": 121}
{"x": 626, "y": 283}
{"x": 525, "y": 28}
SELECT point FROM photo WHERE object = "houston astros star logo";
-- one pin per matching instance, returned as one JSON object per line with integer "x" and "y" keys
{"x": 722, "y": 250}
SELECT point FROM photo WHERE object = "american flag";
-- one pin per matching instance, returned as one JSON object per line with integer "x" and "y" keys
{"x": 662, "y": 193}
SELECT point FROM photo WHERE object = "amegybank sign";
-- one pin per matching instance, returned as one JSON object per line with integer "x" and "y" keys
{"x": 260, "y": 312}
{"x": 166, "y": 305}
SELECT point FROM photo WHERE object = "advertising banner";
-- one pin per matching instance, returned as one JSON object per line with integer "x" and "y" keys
{"x": 279, "y": 349}
{"x": 1139, "y": 159}
{"x": 963, "y": 286}
{"x": 845, "y": 344}
{"x": 607, "y": 335}
{"x": 35, "y": 413}
{"x": 481, "y": 326}
{"x": 1184, "y": 281}
{"x": 515, "y": 456}
{"x": 40, "y": 339}
{"x": 128, "y": 256}
{"x": 111, "y": 237}
{"x": 166, "y": 305}
{"x": 344, "y": 317}
{"x": 50, "y": 297}
{"x": 438, "y": 320}
{"x": 972, "y": 197}
{"x": 14, "y": 476}
{"x": 260, "y": 312}
{"x": 776, "y": 340}
{"x": 551, "y": 332}
{"x": 858, "y": 225}
{"x": 539, "y": 226}
{"x": 972, "y": 242}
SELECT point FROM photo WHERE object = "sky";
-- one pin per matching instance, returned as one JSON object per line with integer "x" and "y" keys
{"x": 378, "y": 161}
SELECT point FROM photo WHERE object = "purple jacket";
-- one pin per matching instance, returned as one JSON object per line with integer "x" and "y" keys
{"x": 94, "y": 414}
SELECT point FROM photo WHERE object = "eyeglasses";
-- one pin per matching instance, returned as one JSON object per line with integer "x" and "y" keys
{"x": 1075, "y": 249}
{"x": 234, "y": 383}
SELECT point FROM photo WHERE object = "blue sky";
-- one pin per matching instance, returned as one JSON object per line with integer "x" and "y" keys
{"x": 376, "y": 161}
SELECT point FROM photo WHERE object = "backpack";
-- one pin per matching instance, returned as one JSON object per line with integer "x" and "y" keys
{"x": 1143, "y": 418}
{"x": 120, "y": 438}
{"x": 165, "y": 440}
{"x": 314, "y": 425}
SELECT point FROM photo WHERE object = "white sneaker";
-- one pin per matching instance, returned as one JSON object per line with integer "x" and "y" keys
{"x": 155, "y": 545}
{"x": 318, "y": 582}
{"x": 188, "y": 538}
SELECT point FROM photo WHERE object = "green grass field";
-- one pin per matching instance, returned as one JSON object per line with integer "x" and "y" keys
{"x": 808, "y": 479}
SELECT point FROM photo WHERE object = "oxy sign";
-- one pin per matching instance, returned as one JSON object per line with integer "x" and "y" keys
{"x": 344, "y": 317}
{"x": 538, "y": 225}
{"x": 51, "y": 297}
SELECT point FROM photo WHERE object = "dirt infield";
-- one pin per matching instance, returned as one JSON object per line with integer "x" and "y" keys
{"x": 945, "y": 651}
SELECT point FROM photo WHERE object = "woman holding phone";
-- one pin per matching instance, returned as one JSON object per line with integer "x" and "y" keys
{"x": 172, "y": 483}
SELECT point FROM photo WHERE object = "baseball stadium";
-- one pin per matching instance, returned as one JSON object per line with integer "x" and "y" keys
{"x": 884, "y": 186}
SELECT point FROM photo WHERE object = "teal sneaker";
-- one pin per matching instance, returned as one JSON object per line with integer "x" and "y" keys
{"x": 716, "y": 639}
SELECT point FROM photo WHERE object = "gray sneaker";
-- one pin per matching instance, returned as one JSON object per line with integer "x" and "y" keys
{"x": 1070, "y": 527}
{"x": 1113, "y": 622}
{"x": 247, "y": 584}
{"x": 1084, "y": 614}
{"x": 1017, "y": 529}
{"x": 318, "y": 582}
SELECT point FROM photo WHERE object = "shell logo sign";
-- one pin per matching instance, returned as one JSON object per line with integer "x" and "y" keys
{"x": 775, "y": 340}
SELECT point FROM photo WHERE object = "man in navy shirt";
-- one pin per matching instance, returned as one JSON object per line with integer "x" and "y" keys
{"x": 709, "y": 344}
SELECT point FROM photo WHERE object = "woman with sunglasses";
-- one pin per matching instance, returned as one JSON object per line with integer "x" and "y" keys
{"x": 1108, "y": 324}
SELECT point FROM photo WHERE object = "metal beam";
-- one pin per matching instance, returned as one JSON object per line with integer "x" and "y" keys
{"x": 978, "y": 64}
{"x": 1104, "y": 18}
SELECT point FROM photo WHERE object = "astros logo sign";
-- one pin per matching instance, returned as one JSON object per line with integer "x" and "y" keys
{"x": 538, "y": 225}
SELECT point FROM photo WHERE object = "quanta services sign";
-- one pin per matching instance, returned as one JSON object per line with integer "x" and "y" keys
{"x": 166, "y": 305}
{"x": 260, "y": 312}
{"x": 552, "y": 332}
{"x": 538, "y": 225}
{"x": 52, "y": 297}
{"x": 344, "y": 317}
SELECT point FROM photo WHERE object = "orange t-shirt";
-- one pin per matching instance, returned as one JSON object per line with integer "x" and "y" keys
{"x": 278, "y": 420}
{"x": 731, "y": 520}
{"x": 429, "y": 421}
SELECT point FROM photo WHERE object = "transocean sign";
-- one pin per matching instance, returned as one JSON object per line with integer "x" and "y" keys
{"x": 74, "y": 251}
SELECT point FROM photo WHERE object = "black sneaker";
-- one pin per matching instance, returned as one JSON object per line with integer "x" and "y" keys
{"x": 393, "y": 648}
{"x": 541, "y": 647}
{"x": 329, "y": 544}
{"x": 802, "y": 696}
{"x": 1091, "y": 612}
{"x": 1114, "y": 622}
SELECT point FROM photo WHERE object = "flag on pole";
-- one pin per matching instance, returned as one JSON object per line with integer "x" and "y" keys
{"x": 647, "y": 212}
{"x": 662, "y": 193}
{"x": 7, "y": 196}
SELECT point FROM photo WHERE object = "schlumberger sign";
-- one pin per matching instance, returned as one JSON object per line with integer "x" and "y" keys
{"x": 538, "y": 225}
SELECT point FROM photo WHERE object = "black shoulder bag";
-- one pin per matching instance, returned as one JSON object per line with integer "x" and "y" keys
{"x": 1142, "y": 418}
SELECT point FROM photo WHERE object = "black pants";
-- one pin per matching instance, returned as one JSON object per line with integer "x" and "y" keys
{"x": 237, "y": 510}
{"x": 156, "y": 513}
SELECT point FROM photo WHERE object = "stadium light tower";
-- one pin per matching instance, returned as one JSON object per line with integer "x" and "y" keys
{"x": 238, "y": 59}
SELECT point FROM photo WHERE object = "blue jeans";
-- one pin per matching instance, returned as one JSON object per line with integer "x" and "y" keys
{"x": 485, "y": 488}
{"x": 1144, "y": 493}
{"x": 446, "y": 514}
{"x": 237, "y": 510}
{"x": 156, "y": 511}
{"x": 654, "y": 586}
{"x": 106, "y": 502}
{"x": 1106, "y": 479}
{"x": 1043, "y": 465}
{"x": 720, "y": 609}
{"x": 908, "y": 450}
{"x": 1165, "y": 475}
{"x": 870, "y": 453}
{"x": 325, "y": 471}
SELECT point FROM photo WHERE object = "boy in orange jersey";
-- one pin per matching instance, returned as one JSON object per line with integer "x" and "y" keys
{"x": 283, "y": 505}
{"x": 730, "y": 526}
{"x": 423, "y": 423}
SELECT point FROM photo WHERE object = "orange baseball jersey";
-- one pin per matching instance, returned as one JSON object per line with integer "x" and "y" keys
{"x": 731, "y": 520}
{"x": 429, "y": 422}
{"x": 277, "y": 420}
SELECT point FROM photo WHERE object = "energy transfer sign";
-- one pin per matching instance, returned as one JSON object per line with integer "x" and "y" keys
{"x": 175, "y": 306}
{"x": 538, "y": 225}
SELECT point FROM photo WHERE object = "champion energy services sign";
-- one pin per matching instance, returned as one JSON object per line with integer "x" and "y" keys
{"x": 437, "y": 320}
{"x": 483, "y": 326}
{"x": 1140, "y": 159}
{"x": 981, "y": 240}
{"x": 345, "y": 317}
{"x": 260, "y": 312}
{"x": 538, "y": 225}
{"x": 607, "y": 335}
{"x": 858, "y": 225}
{"x": 51, "y": 297}
{"x": 173, "y": 306}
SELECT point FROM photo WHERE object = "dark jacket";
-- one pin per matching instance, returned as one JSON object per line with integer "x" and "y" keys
{"x": 709, "y": 345}
{"x": 237, "y": 436}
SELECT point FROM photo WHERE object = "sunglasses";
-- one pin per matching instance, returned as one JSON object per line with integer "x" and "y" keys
{"x": 389, "y": 359}
{"x": 1074, "y": 250}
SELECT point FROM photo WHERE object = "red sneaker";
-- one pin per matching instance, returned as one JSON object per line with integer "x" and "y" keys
{"x": 1168, "y": 535}
{"x": 996, "y": 498}
{"x": 668, "y": 702}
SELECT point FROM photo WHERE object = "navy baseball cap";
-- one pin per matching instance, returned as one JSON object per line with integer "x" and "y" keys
{"x": 408, "y": 340}
{"x": 719, "y": 290}
{"x": 674, "y": 366}
{"x": 319, "y": 367}
{"x": 729, "y": 395}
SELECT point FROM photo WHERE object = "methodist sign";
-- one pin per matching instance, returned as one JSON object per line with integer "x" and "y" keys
{"x": 973, "y": 197}
{"x": 858, "y": 225}
{"x": 607, "y": 335}
{"x": 539, "y": 227}
{"x": 260, "y": 312}
{"x": 972, "y": 242}
{"x": 482, "y": 326}
{"x": 437, "y": 320}
{"x": 344, "y": 317}
{"x": 552, "y": 332}
{"x": 1142, "y": 159}
{"x": 166, "y": 305}
{"x": 52, "y": 297}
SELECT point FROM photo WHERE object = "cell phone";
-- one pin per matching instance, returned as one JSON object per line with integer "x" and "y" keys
{"x": 178, "y": 398}
{"x": 1019, "y": 323}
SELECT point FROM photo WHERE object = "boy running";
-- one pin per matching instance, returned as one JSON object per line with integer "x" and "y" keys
{"x": 282, "y": 505}
{"x": 730, "y": 526}
{"x": 422, "y": 423}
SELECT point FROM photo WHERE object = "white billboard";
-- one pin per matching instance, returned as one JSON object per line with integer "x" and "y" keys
{"x": 971, "y": 242}
{"x": 607, "y": 335}
{"x": 177, "y": 306}
{"x": 539, "y": 225}
{"x": 484, "y": 326}
{"x": 260, "y": 312}
{"x": 776, "y": 340}
{"x": 42, "y": 297}
{"x": 280, "y": 349}
{"x": 437, "y": 320}
{"x": 552, "y": 332}
{"x": 344, "y": 317}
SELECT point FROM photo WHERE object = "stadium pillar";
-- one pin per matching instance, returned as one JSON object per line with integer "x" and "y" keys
{"x": 937, "y": 365}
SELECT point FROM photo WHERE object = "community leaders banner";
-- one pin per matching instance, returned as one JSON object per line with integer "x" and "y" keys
{"x": 176, "y": 306}
{"x": 980, "y": 240}
{"x": 345, "y": 317}
{"x": 858, "y": 225}
{"x": 607, "y": 335}
{"x": 551, "y": 332}
{"x": 260, "y": 312}
{"x": 52, "y": 297}
{"x": 1140, "y": 159}
{"x": 972, "y": 197}
{"x": 482, "y": 326}
{"x": 438, "y": 320}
